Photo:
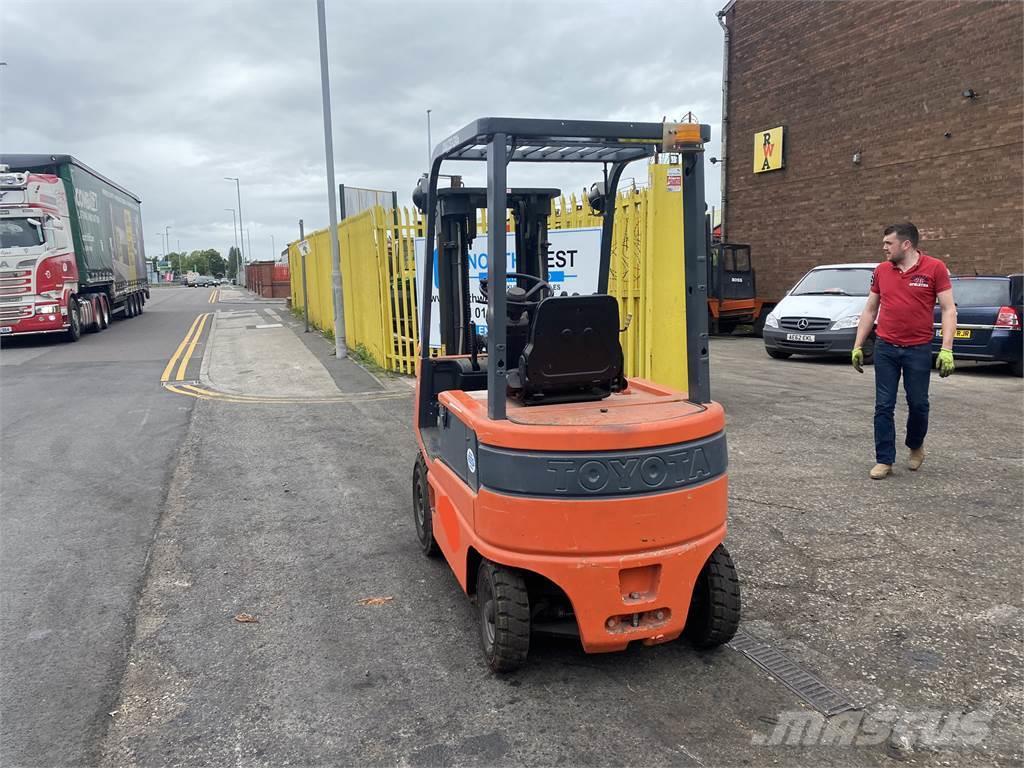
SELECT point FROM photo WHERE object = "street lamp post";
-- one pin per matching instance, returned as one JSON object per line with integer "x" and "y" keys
{"x": 430, "y": 144}
{"x": 273, "y": 247}
{"x": 234, "y": 230}
{"x": 238, "y": 192}
{"x": 340, "y": 349}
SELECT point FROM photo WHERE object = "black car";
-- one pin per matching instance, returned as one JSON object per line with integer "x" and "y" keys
{"x": 989, "y": 313}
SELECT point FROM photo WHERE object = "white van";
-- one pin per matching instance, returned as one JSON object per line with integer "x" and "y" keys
{"x": 819, "y": 315}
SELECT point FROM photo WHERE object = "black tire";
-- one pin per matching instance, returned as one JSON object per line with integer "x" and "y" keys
{"x": 96, "y": 305}
{"x": 1017, "y": 368}
{"x": 74, "y": 331}
{"x": 758, "y": 329}
{"x": 715, "y": 607}
{"x": 422, "y": 514}
{"x": 774, "y": 354}
{"x": 140, "y": 303}
{"x": 504, "y": 607}
{"x": 104, "y": 313}
{"x": 129, "y": 307}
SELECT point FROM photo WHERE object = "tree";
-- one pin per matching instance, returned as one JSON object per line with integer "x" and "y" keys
{"x": 177, "y": 261}
{"x": 197, "y": 261}
{"x": 218, "y": 266}
{"x": 233, "y": 260}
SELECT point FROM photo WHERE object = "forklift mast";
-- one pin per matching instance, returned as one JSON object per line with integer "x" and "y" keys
{"x": 457, "y": 228}
{"x": 451, "y": 222}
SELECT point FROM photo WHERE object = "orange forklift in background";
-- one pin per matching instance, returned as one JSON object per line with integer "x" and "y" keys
{"x": 567, "y": 499}
{"x": 732, "y": 286}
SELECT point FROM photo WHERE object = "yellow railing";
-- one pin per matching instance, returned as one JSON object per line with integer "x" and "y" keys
{"x": 378, "y": 273}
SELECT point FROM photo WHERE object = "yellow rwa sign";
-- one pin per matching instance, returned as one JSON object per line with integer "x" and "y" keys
{"x": 768, "y": 150}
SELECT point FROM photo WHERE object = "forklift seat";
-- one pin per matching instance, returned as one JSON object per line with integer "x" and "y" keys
{"x": 574, "y": 354}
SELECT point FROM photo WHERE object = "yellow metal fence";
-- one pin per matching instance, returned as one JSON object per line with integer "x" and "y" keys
{"x": 378, "y": 273}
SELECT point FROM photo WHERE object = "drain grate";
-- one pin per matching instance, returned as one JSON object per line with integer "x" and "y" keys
{"x": 808, "y": 687}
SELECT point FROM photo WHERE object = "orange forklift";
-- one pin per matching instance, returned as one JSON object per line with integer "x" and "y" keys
{"x": 732, "y": 288}
{"x": 566, "y": 498}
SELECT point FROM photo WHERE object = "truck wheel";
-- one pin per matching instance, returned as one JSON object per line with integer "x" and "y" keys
{"x": 715, "y": 606}
{"x": 74, "y": 332}
{"x": 504, "y": 616}
{"x": 104, "y": 313}
{"x": 422, "y": 514}
{"x": 96, "y": 312}
{"x": 140, "y": 303}
{"x": 774, "y": 354}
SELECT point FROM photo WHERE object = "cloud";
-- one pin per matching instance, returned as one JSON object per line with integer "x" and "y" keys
{"x": 167, "y": 98}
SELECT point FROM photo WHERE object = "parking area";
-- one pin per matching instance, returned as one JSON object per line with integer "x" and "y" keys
{"x": 902, "y": 595}
{"x": 901, "y": 592}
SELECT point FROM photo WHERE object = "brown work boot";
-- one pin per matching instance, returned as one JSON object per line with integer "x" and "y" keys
{"x": 880, "y": 471}
{"x": 916, "y": 458}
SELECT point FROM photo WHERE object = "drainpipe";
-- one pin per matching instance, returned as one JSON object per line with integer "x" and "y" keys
{"x": 725, "y": 111}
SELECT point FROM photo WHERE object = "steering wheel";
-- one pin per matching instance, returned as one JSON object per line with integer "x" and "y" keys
{"x": 539, "y": 286}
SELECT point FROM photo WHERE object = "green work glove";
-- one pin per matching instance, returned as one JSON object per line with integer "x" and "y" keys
{"x": 857, "y": 358}
{"x": 945, "y": 363}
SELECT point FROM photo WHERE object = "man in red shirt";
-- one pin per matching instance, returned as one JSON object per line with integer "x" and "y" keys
{"x": 904, "y": 289}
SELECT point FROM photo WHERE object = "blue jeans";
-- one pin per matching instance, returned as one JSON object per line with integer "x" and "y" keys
{"x": 915, "y": 364}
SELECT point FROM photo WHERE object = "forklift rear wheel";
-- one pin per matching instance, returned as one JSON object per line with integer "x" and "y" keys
{"x": 715, "y": 607}
{"x": 774, "y": 354}
{"x": 421, "y": 512}
{"x": 504, "y": 616}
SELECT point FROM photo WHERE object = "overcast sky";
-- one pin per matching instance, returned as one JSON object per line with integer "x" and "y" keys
{"x": 167, "y": 98}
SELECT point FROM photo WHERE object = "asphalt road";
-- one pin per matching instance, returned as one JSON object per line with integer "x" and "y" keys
{"x": 903, "y": 594}
{"x": 90, "y": 441}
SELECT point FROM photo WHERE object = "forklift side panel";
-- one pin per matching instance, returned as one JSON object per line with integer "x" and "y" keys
{"x": 454, "y": 505}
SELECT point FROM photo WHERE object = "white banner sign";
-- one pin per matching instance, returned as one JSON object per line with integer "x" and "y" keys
{"x": 573, "y": 261}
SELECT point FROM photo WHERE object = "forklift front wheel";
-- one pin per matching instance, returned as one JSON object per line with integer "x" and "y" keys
{"x": 504, "y": 616}
{"x": 422, "y": 514}
{"x": 715, "y": 607}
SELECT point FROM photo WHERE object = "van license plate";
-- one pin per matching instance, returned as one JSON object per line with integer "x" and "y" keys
{"x": 799, "y": 337}
{"x": 6, "y": 329}
{"x": 961, "y": 333}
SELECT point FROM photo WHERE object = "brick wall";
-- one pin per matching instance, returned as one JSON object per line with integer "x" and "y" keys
{"x": 883, "y": 77}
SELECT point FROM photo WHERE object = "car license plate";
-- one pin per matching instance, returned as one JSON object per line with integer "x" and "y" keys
{"x": 799, "y": 337}
{"x": 6, "y": 329}
{"x": 961, "y": 333}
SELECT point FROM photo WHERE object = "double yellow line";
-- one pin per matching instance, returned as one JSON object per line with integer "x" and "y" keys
{"x": 184, "y": 352}
{"x": 201, "y": 393}
{"x": 215, "y": 296}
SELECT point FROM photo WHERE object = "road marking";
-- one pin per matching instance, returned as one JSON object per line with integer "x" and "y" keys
{"x": 192, "y": 346}
{"x": 184, "y": 343}
{"x": 215, "y": 296}
{"x": 201, "y": 393}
